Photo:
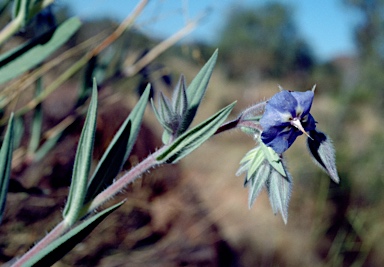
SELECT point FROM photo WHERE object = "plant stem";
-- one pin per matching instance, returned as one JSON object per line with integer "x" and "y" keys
{"x": 115, "y": 188}
{"x": 108, "y": 193}
{"x": 49, "y": 238}
{"x": 228, "y": 126}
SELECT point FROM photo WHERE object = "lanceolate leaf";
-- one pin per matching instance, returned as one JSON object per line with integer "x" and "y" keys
{"x": 279, "y": 191}
{"x": 273, "y": 158}
{"x": 82, "y": 164}
{"x": 196, "y": 91}
{"x": 258, "y": 181}
{"x": 5, "y": 164}
{"x": 180, "y": 101}
{"x": 37, "y": 121}
{"x": 265, "y": 168}
{"x": 193, "y": 138}
{"x": 60, "y": 247}
{"x": 118, "y": 150}
{"x": 27, "y": 56}
{"x": 323, "y": 153}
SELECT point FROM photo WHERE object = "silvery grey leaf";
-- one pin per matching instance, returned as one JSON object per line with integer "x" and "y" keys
{"x": 258, "y": 181}
{"x": 323, "y": 153}
{"x": 279, "y": 191}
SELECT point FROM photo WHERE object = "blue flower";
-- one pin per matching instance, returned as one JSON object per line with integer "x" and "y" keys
{"x": 286, "y": 117}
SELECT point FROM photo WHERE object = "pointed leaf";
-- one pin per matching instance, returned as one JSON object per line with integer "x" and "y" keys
{"x": 37, "y": 121}
{"x": 193, "y": 138}
{"x": 279, "y": 191}
{"x": 118, "y": 150}
{"x": 196, "y": 91}
{"x": 29, "y": 55}
{"x": 159, "y": 117}
{"x": 258, "y": 181}
{"x": 82, "y": 164}
{"x": 250, "y": 163}
{"x": 60, "y": 247}
{"x": 21, "y": 11}
{"x": 180, "y": 101}
{"x": 323, "y": 153}
{"x": 165, "y": 108}
{"x": 256, "y": 161}
{"x": 5, "y": 164}
{"x": 273, "y": 158}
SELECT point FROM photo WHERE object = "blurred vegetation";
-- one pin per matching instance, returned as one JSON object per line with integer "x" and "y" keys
{"x": 264, "y": 42}
{"x": 260, "y": 45}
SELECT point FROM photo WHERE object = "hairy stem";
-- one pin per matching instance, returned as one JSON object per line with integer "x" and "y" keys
{"x": 49, "y": 238}
{"x": 115, "y": 188}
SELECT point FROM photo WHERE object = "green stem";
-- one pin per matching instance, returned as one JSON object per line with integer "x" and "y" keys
{"x": 12, "y": 27}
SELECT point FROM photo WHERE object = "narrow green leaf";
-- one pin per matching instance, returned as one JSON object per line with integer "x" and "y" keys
{"x": 192, "y": 139}
{"x": 196, "y": 90}
{"x": 60, "y": 247}
{"x": 37, "y": 121}
{"x": 159, "y": 117}
{"x": 85, "y": 89}
{"x": 18, "y": 131}
{"x": 5, "y": 164}
{"x": 30, "y": 54}
{"x": 165, "y": 108}
{"x": 118, "y": 150}
{"x": 83, "y": 159}
{"x": 179, "y": 99}
{"x": 20, "y": 10}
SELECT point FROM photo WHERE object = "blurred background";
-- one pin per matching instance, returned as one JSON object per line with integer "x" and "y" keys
{"x": 195, "y": 213}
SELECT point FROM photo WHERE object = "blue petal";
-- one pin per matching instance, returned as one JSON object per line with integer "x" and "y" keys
{"x": 278, "y": 139}
{"x": 309, "y": 124}
{"x": 304, "y": 100}
{"x": 274, "y": 117}
{"x": 278, "y": 132}
{"x": 284, "y": 102}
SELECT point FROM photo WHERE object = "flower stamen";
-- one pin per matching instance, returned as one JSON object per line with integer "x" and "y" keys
{"x": 297, "y": 124}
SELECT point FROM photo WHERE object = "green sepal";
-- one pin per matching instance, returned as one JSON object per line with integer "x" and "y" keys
{"x": 160, "y": 117}
{"x": 263, "y": 167}
{"x": 165, "y": 109}
{"x": 193, "y": 138}
{"x": 258, "y": 181}
{"x": 273, "y": 158}
{"x": 118, "y": 150}
{"x": 196, "y": 91}
{"x": 5, "y": 164}
{"x": 28, "y": 55}
{"x": 60, "y": 247}
{"x": 83, "y": 159}
{"x": 279, "y": 191}
{"x": 323, "y": 153}
{"x": 179, "y": 99}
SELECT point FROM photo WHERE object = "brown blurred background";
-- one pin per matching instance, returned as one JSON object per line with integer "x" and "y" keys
{"x": 195, "y": 213}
